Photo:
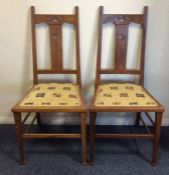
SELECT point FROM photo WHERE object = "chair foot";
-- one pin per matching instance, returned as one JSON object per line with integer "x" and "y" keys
{"x": 22, "y": 162}
{"x": 153, "y": 164}
{"x": 85, "y": 163}
{"x": 91, "y": 162}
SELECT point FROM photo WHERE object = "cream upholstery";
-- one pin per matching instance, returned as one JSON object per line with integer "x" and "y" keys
{"x": 125, "y": 94}
{"x": 52, "y": 94}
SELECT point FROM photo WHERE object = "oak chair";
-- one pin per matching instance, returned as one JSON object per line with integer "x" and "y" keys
{"x": 52, "y": 97}
{"x": 124, "y": 96}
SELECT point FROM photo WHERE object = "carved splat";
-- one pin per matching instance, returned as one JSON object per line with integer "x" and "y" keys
{"x": 121, "y": 46}
{"x": 55, "y": 29}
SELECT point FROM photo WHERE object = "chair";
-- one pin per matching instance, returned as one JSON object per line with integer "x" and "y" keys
{"x": 51, "y": 97}
{"x": 124, "y": 96}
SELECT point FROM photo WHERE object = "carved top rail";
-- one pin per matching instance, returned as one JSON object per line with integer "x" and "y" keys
{"x": 55, "y": 19}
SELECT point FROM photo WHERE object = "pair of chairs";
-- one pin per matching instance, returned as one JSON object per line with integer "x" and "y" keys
{"x": 67, "y": 97}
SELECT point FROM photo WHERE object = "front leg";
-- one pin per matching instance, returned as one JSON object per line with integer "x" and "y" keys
{"x": 83, "y": 137}
{"x": 158, "y": 119}
{"x": 92, "y": 135}
{"x": 20, "y": 140}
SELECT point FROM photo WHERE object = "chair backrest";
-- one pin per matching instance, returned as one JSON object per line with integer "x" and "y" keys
{"x": 54, "y": 23}
{"x": 121, "y": 23}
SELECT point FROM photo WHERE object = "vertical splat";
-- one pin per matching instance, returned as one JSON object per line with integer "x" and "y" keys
{"x": 55, "y": 29}
{"x": 121, "y": 46}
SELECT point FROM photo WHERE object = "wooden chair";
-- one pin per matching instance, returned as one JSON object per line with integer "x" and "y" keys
{"x": 124, "y": 97}
{"x": 52, "y": 97}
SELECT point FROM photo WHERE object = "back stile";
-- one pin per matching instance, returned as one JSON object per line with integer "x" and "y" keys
{"x": 98, "y": 64}
{"x": 143, "y": 46}
{"x": 78, "y": 76}
{"x": 34, "y": 55}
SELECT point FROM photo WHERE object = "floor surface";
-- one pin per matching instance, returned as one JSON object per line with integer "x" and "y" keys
{"x": 60, "y": 156}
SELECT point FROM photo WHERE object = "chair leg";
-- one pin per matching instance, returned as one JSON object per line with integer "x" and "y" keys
{"x": 137, "y": 122}
{"x": 20, "y": 140}
{"x": 158, "y": 119}
{"x": 92, "y": 137}
{"x": 83, "y": 137}
{"x": 38, "y": 118}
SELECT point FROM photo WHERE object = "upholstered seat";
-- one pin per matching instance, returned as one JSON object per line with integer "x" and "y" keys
{"x": 126, "y": 94}
{"x": 53, "y": 94}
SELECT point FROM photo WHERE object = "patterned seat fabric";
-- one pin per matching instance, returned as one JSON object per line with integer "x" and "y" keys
{"x": 123, "y": 95}
{"x": 52, "y": 94}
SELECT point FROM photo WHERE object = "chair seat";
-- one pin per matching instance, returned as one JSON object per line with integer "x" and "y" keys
{"x": 125, "y": 94}
{"x": 52, "y": 94}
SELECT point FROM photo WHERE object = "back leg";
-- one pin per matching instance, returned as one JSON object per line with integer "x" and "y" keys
{"x": 138, "y": 115}
{"x": 92, "y": 135}
{"x": 38, "y": 118}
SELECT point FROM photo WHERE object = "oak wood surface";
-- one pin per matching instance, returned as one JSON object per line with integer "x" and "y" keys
{"x": 54, "y": 23}
{"x": 121, "y": 23}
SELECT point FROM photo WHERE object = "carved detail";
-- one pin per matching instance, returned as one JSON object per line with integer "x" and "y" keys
{"x": 121, "y": 37}
{"x": 56, "y": 45}
{"x": 55, "y": 36}
{"x": 121, "y": 19}
{"x": 55, "y": 21}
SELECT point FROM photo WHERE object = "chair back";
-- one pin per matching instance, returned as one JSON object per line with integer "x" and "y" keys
{"x": 121, "y": 23}
{"x": 55, "y": 23}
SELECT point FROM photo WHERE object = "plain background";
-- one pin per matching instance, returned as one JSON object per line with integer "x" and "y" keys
{"x": 15, "y": 49}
